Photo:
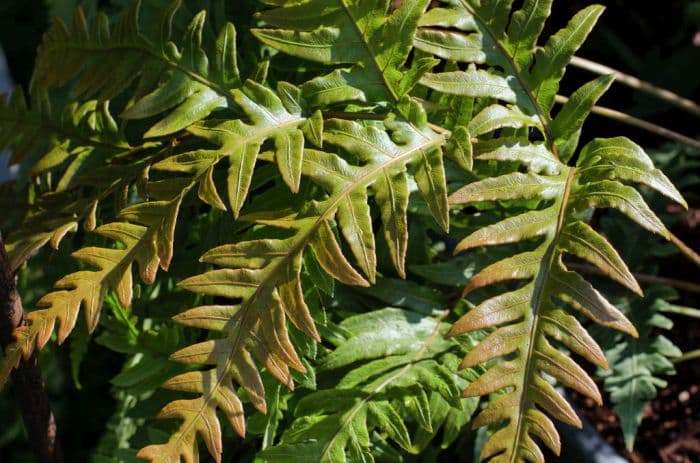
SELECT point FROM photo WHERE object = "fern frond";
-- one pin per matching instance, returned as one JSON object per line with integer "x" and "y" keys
{"x": 343, "y": 32}
{"x": 530, "y": 322}
{"x": 264, "y": 275}
{"x": 637, "y": 365}
{"x": 402, "y": 375}
{"x": 38, "y": 137}
{"x": 184, "y": 81}
{"x": 82, "y": 136}
{"x": 491, "y": 34}
{"x": 268, "y": 117}
{"x": 146, "y": 237}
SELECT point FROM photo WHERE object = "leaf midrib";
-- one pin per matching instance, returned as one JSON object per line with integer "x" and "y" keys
{"x": 538, "y": 295}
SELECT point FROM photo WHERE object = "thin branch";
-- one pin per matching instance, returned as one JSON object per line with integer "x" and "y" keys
{"x": 685, "y": 249}
{"x": 619, "y": 116}
{"x": 661, "y": 93}
{"x": 692, "y": 355}
{"x": 26, "y": 378}
{"x": 642, "y": 278}
{"x": 680, "y": 310}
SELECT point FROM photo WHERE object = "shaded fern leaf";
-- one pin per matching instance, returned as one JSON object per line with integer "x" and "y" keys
{"x": 44, "y": 141}
{"x": 637, "y": 365}
{"x": 262, "y": 276}
{"x": 146, "y": 236}
{"x": 399, "y": 379}
{"x": 184, "y": 81}
{"x": 532, "y": 320}
{"x": 82, "y": 136}
{"x": 357, "y": 32}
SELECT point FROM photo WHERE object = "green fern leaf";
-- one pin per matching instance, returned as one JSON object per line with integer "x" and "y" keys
{"x": 169, "y": 79}
{"x": 269, "y": 117}
{"x": 636, "y": 364}
{"x": 401, "y": 355}
{"x": 358, "y": 32}
{"x": 551, "y": 60}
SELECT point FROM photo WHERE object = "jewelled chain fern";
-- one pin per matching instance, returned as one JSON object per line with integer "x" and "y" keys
{"x": 397, "y": 119}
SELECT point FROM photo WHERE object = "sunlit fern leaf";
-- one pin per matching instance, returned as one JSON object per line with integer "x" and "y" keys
{"x": 364, "y": 33}
{"x": 530, "y": 322}
{"x": 263, "y": 276}
{"x": 184, "y": 81}
{"x": 401, "y": 355}
{"x": 268, "y": 117}
{"x": 492, "y": 34}
{"x": 637, "y": 365}
{"x": 146, "y": 236}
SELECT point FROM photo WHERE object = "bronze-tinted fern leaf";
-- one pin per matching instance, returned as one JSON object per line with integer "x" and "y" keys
{"x": 263, "y": 276}
{"x": 146, "y": 234}
{"x": 530, "y": 322}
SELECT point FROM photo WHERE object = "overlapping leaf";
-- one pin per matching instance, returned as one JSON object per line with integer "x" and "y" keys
{"x": 343, "y": 32}
{"x": 184, "y": 81}
{"x": 401, "y": 373}
{"x": 262, "y": 276}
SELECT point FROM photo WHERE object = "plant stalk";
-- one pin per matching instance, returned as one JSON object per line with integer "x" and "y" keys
{"x": 686, "y": 250}
{"x": 642, "y": 278}
{"x": 619, "y": 116}
{"x": 692, "y": 355}
{"x": 630, "y": 81}
{"x": 28, "y": 386}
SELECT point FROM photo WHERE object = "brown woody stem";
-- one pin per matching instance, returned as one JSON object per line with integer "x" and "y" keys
{"x": 685, "y": 249}
{"x": 26, "y": 378}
